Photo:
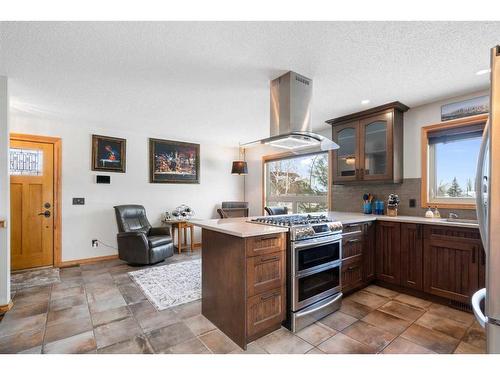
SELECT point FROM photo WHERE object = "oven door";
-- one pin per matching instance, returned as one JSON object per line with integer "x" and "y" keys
{"x": 315, "y": 254}
{"x": 313, "y": 286}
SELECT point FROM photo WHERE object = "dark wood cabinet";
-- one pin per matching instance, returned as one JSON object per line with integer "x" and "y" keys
{"x": 412, "y": 256}
{"x": 352, "y": 273}
{"x": 452, "y": 259}
{"x": 387, "y": 252}
{"x": 369, "y": 251}
{"x": 371, "y": 145}
{"x": 265, "y": 272}
{"x": 265, "y": 312}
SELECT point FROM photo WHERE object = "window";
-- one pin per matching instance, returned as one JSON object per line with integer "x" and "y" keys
{"x": 25, "y": 162}
{"x": 449, "y": 163}
{"x": 298, "y": 182}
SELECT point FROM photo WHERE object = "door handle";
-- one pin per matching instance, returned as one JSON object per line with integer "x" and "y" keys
{"x": 45, "y": 213}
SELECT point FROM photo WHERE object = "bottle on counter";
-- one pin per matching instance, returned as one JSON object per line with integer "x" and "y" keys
{"x": 437, "y": 215}
{"x": 428, "y": 213}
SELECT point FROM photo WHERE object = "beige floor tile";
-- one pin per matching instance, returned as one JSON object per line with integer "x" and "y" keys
{"x": 13, "y": 326}
{"x": 192, "y": 346}
{"x": 68, "y": 292}
{"x": 447, "y": 326}
{"x": 109, "y": 316}
{"x": 387, "y": 322}
{"x": 315, "y": 351}
{"x": 18, "y": 312}
{"x": 368, "y": 299}
{"x": 476, "y": 335}
{"x": 465, "y": 348}
{"x": 21, "y": 341}
{"x": 403, "y": 346}
{"x": 135, "y": 345}
{"x": 69, "y": 314}
{"x": 413, "y": 301}
{"x": 65, "y": 303}
{"x": 107, "y": 304}
{"x": 283, "y": 341}
{"x": 402, "y": 311}
{"x": 67, "y": 328}
{"x": 355, "y": 309}
{"x": 378, "y": 290}
{"x": 81, "y": 343}
{"x": 252, "y": 348}
{"x": 150, "y": 319}
{"x": 172, "y": 335}
{"x": 188, "y": 310}
{"x": 436, "y": 341}
{"x": 342, "y": 344}
{"x": 315, "y": 334}
{"x": 199, "y": 325}
{"x": 132, "y": 293}
{"x": 448, "y": 312}
{"x": 218, "y": 343}
{"x": 376, "y": 338}
{"x": 338, "y": 320}
{"x": 114, "y": 332}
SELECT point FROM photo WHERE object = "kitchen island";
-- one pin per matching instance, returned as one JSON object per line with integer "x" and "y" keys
{"x": 244, "y": 265}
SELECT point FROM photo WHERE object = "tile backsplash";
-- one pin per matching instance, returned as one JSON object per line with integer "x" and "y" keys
{"x": 349, "y": 198}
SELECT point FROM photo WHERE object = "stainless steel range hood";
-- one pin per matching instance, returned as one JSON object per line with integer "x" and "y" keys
{"x": 291, "y": 97}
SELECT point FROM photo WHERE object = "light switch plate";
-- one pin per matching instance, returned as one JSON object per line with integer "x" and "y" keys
{"x": 78, "y": 201}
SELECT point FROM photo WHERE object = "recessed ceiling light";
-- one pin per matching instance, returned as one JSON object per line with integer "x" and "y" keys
{"x": 482, "y": 71}
{"x": 365, "y": 101}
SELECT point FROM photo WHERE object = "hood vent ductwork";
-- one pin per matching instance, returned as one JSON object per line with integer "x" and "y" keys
{"x": 291, "y": 98}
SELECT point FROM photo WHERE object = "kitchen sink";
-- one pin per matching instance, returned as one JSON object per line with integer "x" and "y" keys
{"x": 456, "y": 220}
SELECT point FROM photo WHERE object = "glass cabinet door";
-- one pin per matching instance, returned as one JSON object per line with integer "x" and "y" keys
{"x": 376, "y": 154}
{"x": 346, "y": 160}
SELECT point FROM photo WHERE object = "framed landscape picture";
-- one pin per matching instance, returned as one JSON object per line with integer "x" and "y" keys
{"x": 108, "y": 153}
{"x": 469, "y": 107}
{"x": 174, "y": 162}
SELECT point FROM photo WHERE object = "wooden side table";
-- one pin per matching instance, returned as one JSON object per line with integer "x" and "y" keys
{"x": 182, "y": 227}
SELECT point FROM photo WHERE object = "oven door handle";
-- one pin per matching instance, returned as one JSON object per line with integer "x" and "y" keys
{"x": 307, "y": 312}
{"x": 323, "y": 267}
{"x": 316, "y": 243}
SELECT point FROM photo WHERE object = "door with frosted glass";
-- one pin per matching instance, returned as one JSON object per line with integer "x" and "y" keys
{"x": 346, "y": 158}
{"x": 376, "y": 147}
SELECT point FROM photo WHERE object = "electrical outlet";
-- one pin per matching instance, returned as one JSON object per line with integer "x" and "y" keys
{"x": 413, "y": 202}
{"x": 95, "y": 243}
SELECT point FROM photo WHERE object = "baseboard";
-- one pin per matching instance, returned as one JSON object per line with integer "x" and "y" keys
{"x": 77, "y": 262}
{"x": 5, "y": 308}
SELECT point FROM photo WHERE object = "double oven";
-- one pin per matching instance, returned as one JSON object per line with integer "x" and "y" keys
{"x": 314, "y": 275}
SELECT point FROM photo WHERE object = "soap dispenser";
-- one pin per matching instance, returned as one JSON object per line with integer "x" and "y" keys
{"x": 437, "y": 215}
{"x": 428, "y": 213}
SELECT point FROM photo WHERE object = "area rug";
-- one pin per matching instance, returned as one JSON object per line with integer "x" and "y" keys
{"x": 28, "y": 279}
{"x": 170, "y": 285}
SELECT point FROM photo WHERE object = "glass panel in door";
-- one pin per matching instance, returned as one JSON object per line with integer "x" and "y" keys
{"x": 317, "y": 283}
{"x": 375, "y": 148}
{"x": 318, "y": 256}
{"x": 346, "y": 154}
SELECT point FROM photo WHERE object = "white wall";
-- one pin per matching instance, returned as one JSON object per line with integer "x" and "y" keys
{"x": 81, "y": 224}
{"x": 4, "y": 194}
{"x": 418, "y": 117}
{"x": 414, "y": 120}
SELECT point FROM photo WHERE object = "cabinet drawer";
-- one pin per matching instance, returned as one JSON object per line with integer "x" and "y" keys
{"x": 352, "y": 245}
{"x": 265, "y": 244}
{"x": 352, "y": 273}
{"x": 265, "y": 272}
{"x": 264, "y": 312}
{"x": 352, "y": 228}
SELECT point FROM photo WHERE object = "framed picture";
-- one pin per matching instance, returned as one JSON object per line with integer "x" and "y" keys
{"x": 469, "y": 107}
{"x": 174, "y": 162}
{"x": 108, "y": 154}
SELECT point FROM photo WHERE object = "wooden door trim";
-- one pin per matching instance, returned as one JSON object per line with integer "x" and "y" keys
{"x": 57, "y": 144}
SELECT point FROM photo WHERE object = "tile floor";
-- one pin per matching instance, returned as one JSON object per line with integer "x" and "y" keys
{"x": 98, "y": 309}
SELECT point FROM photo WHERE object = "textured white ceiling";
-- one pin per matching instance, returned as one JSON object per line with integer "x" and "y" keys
{"x": 215, "y": 76}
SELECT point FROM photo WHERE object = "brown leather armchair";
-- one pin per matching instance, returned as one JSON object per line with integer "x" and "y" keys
{"x": 138, "y": 241}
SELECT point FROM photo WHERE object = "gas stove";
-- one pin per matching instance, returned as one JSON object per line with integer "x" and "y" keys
{"x": 303, "y": 226}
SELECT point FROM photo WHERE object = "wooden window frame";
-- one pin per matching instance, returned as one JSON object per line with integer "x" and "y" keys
{"x": 424, "y": 189}
{"x": 286, "y": 155}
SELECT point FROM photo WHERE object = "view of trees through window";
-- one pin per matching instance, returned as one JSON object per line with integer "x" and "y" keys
{"x": 299, "y": 183}
{"x": 455, "y": 168}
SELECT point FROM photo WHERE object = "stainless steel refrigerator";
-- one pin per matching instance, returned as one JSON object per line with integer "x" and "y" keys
{"x": 486, "y": 302}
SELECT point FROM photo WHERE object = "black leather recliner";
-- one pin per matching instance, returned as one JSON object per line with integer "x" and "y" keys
{"x": 276, "y": 210}
{"x": 138, "y": 241}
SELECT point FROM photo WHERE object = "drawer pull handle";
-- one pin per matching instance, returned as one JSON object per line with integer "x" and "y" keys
{"x": 270, "y": 259}
{"x": 269, "y": 296}
{"x": 351, "y": 268}
{"x": 272, "y": 237}
{"x": 354, "y": 240}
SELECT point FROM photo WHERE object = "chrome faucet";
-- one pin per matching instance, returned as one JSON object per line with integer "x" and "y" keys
{"x": 452, "y": 215}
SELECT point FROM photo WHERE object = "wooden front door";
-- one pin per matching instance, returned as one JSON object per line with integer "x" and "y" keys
{"x": 32, "y": 204}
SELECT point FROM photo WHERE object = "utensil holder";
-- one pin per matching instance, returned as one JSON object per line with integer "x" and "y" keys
{"x": 367, "y": 208}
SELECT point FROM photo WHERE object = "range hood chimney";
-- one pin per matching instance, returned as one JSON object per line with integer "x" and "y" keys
{"x": 291, "y": 98}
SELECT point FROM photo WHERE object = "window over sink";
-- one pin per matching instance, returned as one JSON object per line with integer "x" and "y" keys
{"x": 299, "y": 183}
{"x": 449, "y": 161}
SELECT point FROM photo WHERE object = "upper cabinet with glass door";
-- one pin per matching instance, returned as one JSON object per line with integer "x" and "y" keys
{"x": 370, "y": 145}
